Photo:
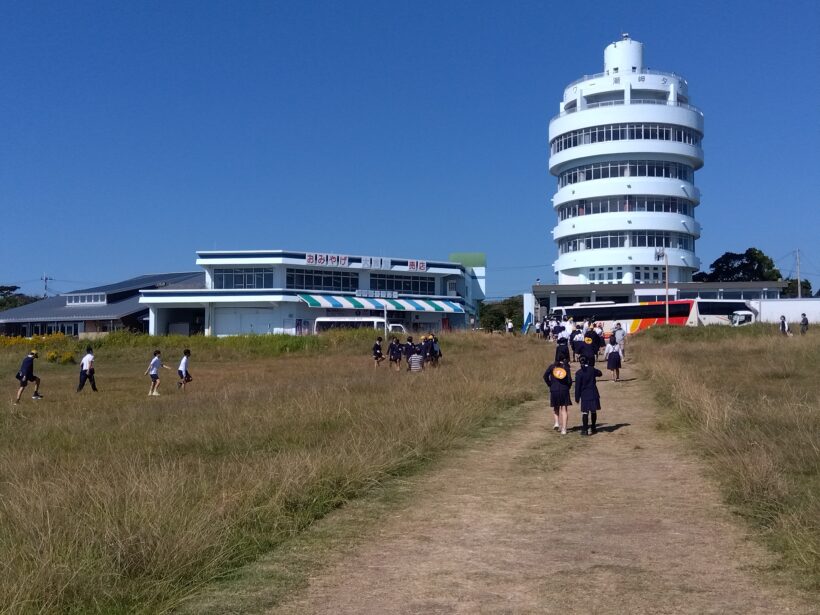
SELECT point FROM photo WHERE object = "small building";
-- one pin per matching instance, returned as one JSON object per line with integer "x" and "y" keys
{"x": 92, "y": 311}
{"x": 282, "y": 291}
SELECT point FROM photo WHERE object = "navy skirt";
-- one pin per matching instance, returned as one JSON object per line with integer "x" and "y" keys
{"x": 560, "y": 398}
{"x": 613, "y": 361}
{"x": 591, "y": 405}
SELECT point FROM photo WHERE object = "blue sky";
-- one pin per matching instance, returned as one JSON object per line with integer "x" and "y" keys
{"x": 134, "y": 134}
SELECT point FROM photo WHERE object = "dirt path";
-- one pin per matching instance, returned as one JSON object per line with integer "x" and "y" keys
{"x": 626, "y": 524}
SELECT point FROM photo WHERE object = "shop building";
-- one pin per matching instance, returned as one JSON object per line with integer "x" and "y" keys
{"x": 280, "y": 291}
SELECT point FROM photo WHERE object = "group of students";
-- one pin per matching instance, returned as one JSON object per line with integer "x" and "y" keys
{"x": 427, "y": 353}
{"x": 25, "y": 374}
{"x": 585, "y": 342}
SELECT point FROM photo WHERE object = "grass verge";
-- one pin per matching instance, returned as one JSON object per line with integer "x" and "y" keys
{"x": 750, "y": 400}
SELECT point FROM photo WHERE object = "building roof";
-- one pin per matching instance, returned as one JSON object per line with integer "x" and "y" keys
{"x": 151, "y": 280}
{"x": 57, "y": 310}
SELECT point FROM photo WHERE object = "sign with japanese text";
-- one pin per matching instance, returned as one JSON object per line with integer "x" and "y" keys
{"x": 375, "y": 262}
{"x": 416, "y": 265}
{"x": 327, "y": 260}
{"x": 378, "y": 294}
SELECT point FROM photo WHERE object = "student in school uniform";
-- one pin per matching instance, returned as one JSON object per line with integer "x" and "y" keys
{"x": 25, "y": 375}
{"x": 435, "y": 351}
{"x": 153, "y": 371}
{"x": 562, "y": 350}
{"x": 87, "y": 370}
{"x": 394, "y": 352}
{"x": 613, "y": 357}
{"x": 184, "y": 374}
{"x": 378, "y": 357}
{"x": 559, "y": 381}
{"x": 589, "y": 347}
{"x": 577, "y": 341}
{"x": 409, "y": 348}
{"x": 586, "y": 394}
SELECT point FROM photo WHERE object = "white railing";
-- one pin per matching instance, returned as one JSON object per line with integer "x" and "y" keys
{"x": 634, "y": 101}
{"x": 645, "y": 71}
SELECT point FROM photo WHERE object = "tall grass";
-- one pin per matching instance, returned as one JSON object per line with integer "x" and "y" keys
{"x": 115, "y": 502}
{"x": 751, "y": 400}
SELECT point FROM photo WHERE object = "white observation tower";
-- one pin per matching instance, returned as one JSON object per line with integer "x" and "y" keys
{"x": 625, "y": 147}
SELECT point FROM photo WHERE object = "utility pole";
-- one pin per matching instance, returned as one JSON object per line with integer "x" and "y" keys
{"x": 661, "y": 253}
{"x": 799, "y": 283}
{"x": 45, "y": 280}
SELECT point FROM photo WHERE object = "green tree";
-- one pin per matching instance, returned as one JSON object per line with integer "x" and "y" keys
{"x": 750, "y": 266}
{"x": 494, "y": 314}
{"x": 10, "y": 298}
{"x": 791, "y": 288}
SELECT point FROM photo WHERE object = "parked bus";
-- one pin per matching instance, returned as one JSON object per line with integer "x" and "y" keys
{"x": 638, "y": 316}
{"x": 325, "y": 323}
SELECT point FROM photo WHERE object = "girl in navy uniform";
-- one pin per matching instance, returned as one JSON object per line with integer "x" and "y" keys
{"x": 559, "y": 381}
{"x": 378, "y": 357}
{"x": 562, "y": 350}
{"x": 613, "y": 356}
{"x": 394, "y": 351}
{"x": 586, "y": 394}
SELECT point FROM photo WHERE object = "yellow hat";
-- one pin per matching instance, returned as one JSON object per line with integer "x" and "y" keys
{"x": 34, "y": 352}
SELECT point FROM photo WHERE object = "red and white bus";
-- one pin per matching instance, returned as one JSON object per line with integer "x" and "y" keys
{"x": 639, "y": 316}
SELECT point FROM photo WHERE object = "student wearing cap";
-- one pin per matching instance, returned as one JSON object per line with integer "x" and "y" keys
{"x": 559, "y": 381}
{"x": 26, "y": 375}
{"x": 586, "y": 394}
{"x": 87, "y": 370}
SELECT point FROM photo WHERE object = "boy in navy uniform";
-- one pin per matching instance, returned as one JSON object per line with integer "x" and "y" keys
{"x": 26, "y": 375}
{"x": 559, "y": 381}
{"x": 378, "y": 357}
{"x": 588, "y": 349}
{"x": 586, "y": 394}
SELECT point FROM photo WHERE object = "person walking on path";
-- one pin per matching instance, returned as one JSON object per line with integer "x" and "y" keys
{"x": 26, "y": 375}
{"x": 784, "y": 327}
{"x": 620, "y": 338}
{"x": 153, "y": 371}
{"x": 559, "y": 381}
{"x": 182, "y": 371}
{"x": 586, "y": 394}
{"x": 562, "y": 350}
{"x": 87, "y": 370}
{"x": 613, "y": 358}
{"x": 804, "y": 324}
{"x": 378, "y": 357}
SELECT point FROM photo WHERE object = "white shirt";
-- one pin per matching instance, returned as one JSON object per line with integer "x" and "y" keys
{"x": 183, "y": 365}
{"x": 156, "y": 363}
{"x": 610, "y": 349}
{"x": 87, "y": 362}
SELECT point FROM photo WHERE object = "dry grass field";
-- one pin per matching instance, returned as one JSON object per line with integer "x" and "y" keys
{"x": 750, "y": 400}
{"x": 116, "y": 502}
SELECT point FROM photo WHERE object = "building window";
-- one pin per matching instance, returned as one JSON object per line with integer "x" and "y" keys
{"x": 626, "y": 168}
{"x": 322, "y": 279}
{"x": 408, "y": 284}
{"x": 243, "y": 277}
{"x": 617, "y": 132}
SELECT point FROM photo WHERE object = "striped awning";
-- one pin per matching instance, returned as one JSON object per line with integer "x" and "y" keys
{"x": 369, "y": 303}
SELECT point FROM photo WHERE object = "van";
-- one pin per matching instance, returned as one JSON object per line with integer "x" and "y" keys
{"x": 325, "y": 323}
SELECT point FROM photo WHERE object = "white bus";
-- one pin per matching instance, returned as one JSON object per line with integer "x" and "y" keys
{"x": 325, "y": 323}
{"x": 638, "y": 316}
